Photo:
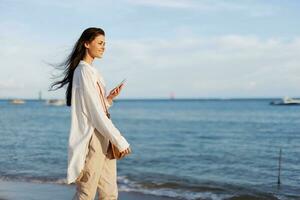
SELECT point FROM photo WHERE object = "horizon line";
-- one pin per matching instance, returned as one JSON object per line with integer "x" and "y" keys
{"x": 141, "y": 98}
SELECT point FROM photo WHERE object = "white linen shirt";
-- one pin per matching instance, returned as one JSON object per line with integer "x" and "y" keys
{"x": 87, "y": 114}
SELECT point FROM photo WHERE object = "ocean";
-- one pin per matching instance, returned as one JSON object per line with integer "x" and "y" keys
{"x": 193, "y": 149}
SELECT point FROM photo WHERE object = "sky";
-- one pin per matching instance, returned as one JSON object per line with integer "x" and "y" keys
{"x": 185, "y": 48}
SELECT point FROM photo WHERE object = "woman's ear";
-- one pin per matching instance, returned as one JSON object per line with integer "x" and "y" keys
{"x": 86, "y": 45}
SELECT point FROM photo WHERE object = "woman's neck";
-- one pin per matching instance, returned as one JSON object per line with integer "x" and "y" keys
{"x": 87, "y": 58}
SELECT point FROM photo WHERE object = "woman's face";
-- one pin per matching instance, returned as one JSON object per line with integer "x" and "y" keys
{"x": 96, "y": 47}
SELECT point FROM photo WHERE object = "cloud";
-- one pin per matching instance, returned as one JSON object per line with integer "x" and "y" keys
{"x": 229, "y": 65}
{"x": 194, "y": 66}
{"x": 252, "y": 8}
{"x": 11, "y": 84}
{"x": 23, "y": 56}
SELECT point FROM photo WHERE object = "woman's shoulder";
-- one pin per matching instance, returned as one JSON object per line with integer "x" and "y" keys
{"x": 83, "y": 74}
{"x": 83, "y": 70}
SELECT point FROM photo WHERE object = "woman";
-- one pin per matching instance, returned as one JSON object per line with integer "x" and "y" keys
{"x": 91, "y": 129}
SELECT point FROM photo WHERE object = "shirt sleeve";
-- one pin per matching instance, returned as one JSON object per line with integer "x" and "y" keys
{"x": 93, "y": 108}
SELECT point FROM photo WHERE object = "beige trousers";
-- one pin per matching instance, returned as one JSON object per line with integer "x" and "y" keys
{"x": 99, "y": 174}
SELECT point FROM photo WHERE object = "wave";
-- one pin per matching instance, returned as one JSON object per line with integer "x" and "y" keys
{"x": 167, "y": 189}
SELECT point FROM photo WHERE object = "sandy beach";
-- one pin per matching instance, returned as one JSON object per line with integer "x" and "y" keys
{"x": 12, "y": 190}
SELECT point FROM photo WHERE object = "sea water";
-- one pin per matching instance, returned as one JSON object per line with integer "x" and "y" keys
{"x": 186, "y": 149}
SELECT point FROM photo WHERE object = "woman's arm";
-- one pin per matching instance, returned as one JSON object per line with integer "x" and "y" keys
{"x": 93, "y": 109}
{"x": 109, "y": 101}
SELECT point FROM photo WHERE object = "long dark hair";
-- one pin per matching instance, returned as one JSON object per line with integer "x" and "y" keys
{"x": 70, "y": 64}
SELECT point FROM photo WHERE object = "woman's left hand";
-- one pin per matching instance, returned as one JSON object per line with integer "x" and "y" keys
{"x": 115, "y": 92}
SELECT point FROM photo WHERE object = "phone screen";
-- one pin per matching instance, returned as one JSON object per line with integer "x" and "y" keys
{"x": 122, "y": 82}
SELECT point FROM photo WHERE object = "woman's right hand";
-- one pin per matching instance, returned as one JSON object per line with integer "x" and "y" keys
{"x": 125, "y": 152}
{"x": 116, "y": 91}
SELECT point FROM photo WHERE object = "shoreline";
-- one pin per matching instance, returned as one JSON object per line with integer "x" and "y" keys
{"x": 11, "y": 190}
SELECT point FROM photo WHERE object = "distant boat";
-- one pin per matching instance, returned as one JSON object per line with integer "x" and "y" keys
{"x": 286, "y": 101}
{"x": 56, "y": 102}
{"x": 17, "y": 101}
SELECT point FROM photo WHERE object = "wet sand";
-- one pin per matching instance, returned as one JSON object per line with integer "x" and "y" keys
{"x": 13, "y": 190}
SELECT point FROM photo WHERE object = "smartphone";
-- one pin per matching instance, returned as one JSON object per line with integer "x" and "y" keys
{"x": 122, "y": 82}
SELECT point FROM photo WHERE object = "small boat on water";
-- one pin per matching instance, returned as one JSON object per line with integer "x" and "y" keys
{"x": 286, "y": 101}
{"x": 17, "y": 101}
{"x": 56, "y": 102}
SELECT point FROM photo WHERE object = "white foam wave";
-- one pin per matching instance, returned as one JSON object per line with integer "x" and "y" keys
{"x": 129, "y": 186}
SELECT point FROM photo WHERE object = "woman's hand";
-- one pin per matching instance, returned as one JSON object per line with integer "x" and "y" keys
{"x": 115, "y": 92}
{"x": 125, "y": 152}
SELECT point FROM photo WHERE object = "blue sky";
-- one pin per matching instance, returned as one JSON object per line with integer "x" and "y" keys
{"x": 194, "y": 49}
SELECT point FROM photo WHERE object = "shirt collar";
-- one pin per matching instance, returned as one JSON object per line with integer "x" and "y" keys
{"x": 85, "y": 63}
